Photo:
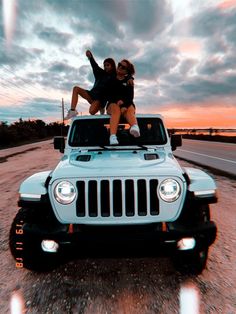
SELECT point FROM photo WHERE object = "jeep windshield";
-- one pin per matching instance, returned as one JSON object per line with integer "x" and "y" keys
{"x": 96, "y": 132}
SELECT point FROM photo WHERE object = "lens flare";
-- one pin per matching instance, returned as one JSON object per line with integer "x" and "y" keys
{"x": 189, "y": 299}
{"x": 9, "y": 18}
{"x": 17, "y": 304}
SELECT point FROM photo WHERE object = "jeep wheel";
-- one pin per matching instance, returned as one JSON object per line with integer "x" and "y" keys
{"x": 191, "y": 262}
{"x": 27, "y": 250}
{"x": 194, "y": 261}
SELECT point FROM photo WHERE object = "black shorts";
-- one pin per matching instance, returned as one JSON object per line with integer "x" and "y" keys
{"x": 125, "y": 105}
{"x": 97, "y": 96}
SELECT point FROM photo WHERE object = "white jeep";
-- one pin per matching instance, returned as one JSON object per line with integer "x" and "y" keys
{"x": 102, "y": 196}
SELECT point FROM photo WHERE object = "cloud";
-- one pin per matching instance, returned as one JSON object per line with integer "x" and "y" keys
{"x": 178, "y": 61}
{"x": 216, "y": 25}
{"x": 52, "y": 36}
{"x": 187, "y": 65}
{"x": 28, "y": 109}
{"x": 17, "y": 56}
{"x": 147, "y": 19}
{"x": 157, "y": 61}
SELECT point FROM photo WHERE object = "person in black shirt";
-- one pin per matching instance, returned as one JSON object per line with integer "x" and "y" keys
{"x": 95, "y": 96}
{"x": 120, "y": 96}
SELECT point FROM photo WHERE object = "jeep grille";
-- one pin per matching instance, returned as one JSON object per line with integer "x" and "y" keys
{"x": 117, "y": 198}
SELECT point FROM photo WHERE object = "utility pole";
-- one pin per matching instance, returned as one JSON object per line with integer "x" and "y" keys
{"x": 62, "y": 108}
{"x": 63, "y": 118}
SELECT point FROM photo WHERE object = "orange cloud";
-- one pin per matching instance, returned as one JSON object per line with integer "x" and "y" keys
{"x": 199, "y": 116}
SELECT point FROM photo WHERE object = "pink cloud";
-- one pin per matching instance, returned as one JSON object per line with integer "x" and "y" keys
{"x": 227, "y": 4}
{"x": 190, "y": 46}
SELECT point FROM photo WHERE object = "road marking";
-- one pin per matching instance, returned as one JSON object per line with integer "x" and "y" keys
{"x": 189, "y": 299}
{"x": 188, "y": 151}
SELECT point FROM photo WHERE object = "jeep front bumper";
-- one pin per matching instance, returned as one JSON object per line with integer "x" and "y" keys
{"x": 163, "y": 235}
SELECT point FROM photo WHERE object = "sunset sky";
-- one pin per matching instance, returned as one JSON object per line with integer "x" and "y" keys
{"x": 184, "y": 52}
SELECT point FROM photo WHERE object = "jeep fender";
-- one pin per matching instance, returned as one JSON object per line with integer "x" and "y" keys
{"x": 201, "y": 185}
{"x": 34, "y": 185}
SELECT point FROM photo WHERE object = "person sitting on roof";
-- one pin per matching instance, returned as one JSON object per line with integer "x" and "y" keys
{"x": 95, "y": 96}
{"x": 120, "y": 101}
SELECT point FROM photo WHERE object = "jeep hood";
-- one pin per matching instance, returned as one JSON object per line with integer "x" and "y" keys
{"x": 103, "y": 163}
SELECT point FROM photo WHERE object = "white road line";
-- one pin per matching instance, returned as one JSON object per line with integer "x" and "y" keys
{"x": 189, "y": 299}
{"x": 188, "y": 151}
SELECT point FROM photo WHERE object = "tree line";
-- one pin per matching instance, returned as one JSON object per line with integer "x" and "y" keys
{"x": 23, "y": 131}
{"x": 211, "y": 134}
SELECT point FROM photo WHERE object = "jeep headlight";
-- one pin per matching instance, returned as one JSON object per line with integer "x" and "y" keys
{"x": 169, "y": 190}
{"x": 65, "y": 192}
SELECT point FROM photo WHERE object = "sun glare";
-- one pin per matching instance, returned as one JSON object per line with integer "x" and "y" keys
{"x": 9, "y": 16}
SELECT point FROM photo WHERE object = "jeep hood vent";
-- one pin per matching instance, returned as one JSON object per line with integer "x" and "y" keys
{"x": 151, "y": 156}
{"x": 83, "y": 158}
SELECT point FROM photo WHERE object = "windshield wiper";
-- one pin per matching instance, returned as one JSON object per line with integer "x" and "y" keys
{"x": 125, "y": 147}
{"x": 143, "y": 146}
{"x": 99, "y": 147}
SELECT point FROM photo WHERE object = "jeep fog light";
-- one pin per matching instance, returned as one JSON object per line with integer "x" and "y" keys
{"x": 49, "y": 246}
{"x": 169, "y": 190}
{"x": 65, "y": 192}
{"x": 186, "y": 244}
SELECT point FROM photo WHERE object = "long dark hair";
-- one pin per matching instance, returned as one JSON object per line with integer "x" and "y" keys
{"x": 112, "y": 63}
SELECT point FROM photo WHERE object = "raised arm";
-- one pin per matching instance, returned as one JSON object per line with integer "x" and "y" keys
{"x": 89, "y": 54}
{"x": 96, "y": 68}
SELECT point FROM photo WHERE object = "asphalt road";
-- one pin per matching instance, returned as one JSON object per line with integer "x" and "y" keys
{"x": 215, "y": 155}
{"x": 116, "y": 285}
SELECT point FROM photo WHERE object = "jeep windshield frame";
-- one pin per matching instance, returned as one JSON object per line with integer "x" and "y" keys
{"x": 96, "y": 132}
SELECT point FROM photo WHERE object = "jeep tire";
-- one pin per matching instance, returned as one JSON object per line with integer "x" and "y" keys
{"x": 193, "y": 262}
{"x": 27, "y": 249}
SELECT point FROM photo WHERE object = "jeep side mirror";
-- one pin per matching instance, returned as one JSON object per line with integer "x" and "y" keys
{"x": 59, "y": 143}
{"x": 175, "y": 141}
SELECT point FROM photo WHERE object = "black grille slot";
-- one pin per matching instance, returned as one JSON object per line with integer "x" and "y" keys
{"x": 154, "y": 201}
{"x": 80, "y": 208}
{"x": 129, "y": 197}
{"x": 105, "y": 198}
{"x": 142, "y": 198}
{"x": 92, "y": 198}
{"x": 117, "y": 198}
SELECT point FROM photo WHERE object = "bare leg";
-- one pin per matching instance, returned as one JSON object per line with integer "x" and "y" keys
{"x": 75, "y": 94}
{"x": 129, "y": 115}
{"x": 95, "y": 107}
{"x": 114, "y": 111}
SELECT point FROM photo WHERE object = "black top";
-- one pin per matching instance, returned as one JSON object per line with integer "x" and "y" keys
{"x": 120, "y": 90}
{"x": 102, "y": 79}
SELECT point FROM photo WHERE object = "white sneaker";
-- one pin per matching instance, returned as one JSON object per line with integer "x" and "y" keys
{"x": 71, "y": 113}
{"x": 113, "y": 140}
{"x": 134, "y": 130}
